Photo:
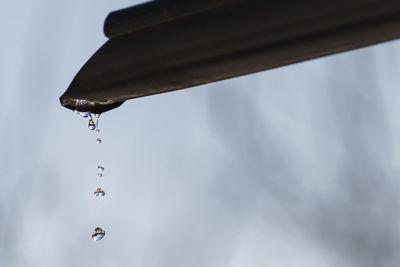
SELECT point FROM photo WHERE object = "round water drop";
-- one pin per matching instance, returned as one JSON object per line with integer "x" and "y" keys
{"x": 99, "y": 192}
{"x": 100, "y": 174}
{"x": 97, "y": 130}
{"x": 98, "y": 234}
{"x": 91, "y": 125}
{"x": 98, "y": 140}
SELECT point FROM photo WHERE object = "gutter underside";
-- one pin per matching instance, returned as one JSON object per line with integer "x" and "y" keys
{"x": 164, "y": 46}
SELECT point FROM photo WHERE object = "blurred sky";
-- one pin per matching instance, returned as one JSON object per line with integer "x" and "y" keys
{"x": 297, "y": 166}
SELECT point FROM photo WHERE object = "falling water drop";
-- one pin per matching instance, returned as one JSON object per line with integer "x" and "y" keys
{"x": 98, "y": 130}
{"x": 91, "y": 125}
{"x": 99, "y": 192}
{"x": 98, "y": 140}
{"x": 98, "y": 234}
{"x": 100, "y": 170}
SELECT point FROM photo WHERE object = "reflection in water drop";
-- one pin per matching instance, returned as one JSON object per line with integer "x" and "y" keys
{"x": 91, "y": 125}
{"x": 98, "y": 234}
{"x": 99, "y": 192}
{"x": 98, "y": 140}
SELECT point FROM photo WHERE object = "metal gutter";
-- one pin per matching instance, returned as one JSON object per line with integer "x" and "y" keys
{"x": 166, "y": 45}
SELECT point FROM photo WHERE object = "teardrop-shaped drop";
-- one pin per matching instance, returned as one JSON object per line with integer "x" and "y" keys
{"x": 91, "y": 125}
{"x": 98, "y": 234}
{"x": 99, "y": 192}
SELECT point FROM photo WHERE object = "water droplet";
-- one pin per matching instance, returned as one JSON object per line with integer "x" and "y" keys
{"x": 91, "y": 125}
{"x": 97, "y": 115}
{"x": 98, "y": 234}
{"x": 99, "y": 192}
{"x": 98, "y": 130}
{"x": 100, "y": 170}
{"x": 98, "y": 140}
{"x": 83, "y": 114}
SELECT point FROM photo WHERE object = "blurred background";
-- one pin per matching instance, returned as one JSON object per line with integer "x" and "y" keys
{"x": 296, "y": 166}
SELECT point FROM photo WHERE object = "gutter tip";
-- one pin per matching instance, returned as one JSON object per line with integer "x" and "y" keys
{"x": 84, "y": 105}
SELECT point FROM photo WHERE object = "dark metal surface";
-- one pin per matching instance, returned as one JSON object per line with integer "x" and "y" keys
{"x": 125, "y": 21}
{"x": 150, "y": 53}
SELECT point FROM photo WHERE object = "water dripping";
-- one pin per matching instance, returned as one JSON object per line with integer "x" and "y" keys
{"x": 98, "y": 234}
{"x": 99, "y": 192}
{"x": 98, "y": 140}
{"x": 91, "y": 125}
{"x": 97, "y": 120}
{"x": 100, "y": 170}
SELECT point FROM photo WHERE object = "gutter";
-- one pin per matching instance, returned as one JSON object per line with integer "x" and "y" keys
{"x": 168, "y": 45}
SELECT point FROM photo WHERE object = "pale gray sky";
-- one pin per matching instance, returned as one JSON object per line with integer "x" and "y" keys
{"x": 297, "y": 166}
